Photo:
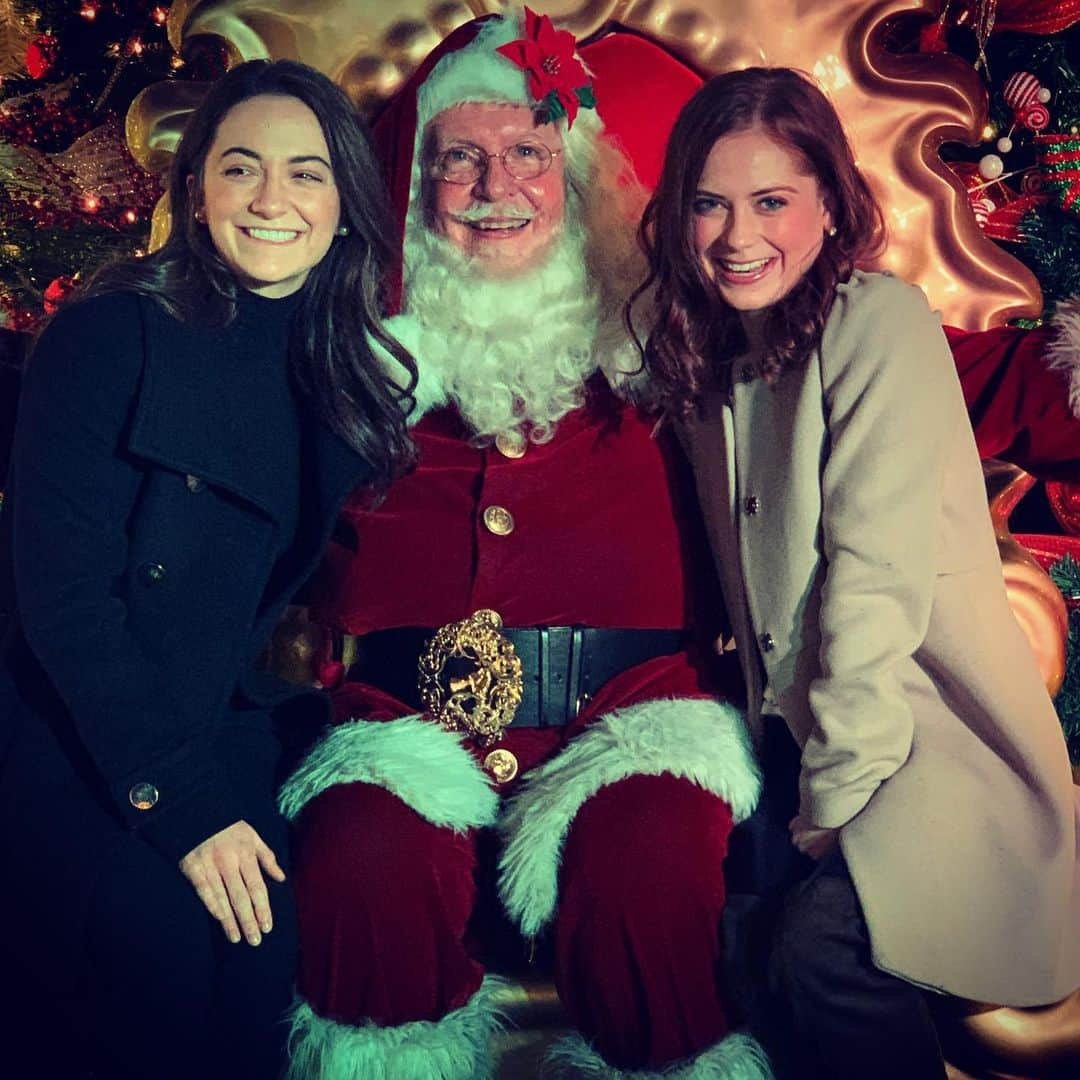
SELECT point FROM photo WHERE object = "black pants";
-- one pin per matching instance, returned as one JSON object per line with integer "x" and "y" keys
{"x": 139, "y": 972}
{"x": 800, "y": 952}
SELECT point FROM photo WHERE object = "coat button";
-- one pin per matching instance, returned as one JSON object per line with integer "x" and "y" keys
{"x": 511, "y": 446}
{"x": 502, "y": 765}
{"x": 767, "y": 642}
{"x": 143, "y": 796}
{"x": 751, "y": 504}
{"x": 498, "y": 520}
{"x": 151, "y": 573}
{"x": 194, "y": 484}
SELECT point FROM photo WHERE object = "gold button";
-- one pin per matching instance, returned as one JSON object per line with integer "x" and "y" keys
{"x": 143, "y": 796}
{"x": 498, "y": 520}
{"x": 511, "y": 446}
{"x": 502, "y": 765}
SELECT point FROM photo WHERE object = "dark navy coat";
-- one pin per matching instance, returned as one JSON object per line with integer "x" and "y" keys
{"x": 142, "y": 523}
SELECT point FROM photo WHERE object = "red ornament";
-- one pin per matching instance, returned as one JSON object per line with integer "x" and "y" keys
{"x": 983, "y": 208}
{"x": 41, "y": 55}
{"x": 1021, "y": 89}
{"x": 1036, "y": 117}
{"x": 997, "y": 208}
{"x": 557, "y": 79}
{"x": 1003, "y": 223}
{"x": 1037, "y": 16}
{"x": 1064, "y": 500}
{"x": 1032, "y": 183}
{"x": 932, "y": 38}
{"x": 56, "y": 293}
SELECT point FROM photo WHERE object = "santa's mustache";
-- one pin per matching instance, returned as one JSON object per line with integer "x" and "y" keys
{"x": 484, "y": 211}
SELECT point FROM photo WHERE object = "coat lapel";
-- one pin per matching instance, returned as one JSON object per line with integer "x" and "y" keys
{"x": 186, "y": 415}
{"x": 189, "y": 418}
{"x": 709, "y": 440}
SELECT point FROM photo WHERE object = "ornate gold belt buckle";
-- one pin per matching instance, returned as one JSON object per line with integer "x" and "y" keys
{"x": 470, "y": 677}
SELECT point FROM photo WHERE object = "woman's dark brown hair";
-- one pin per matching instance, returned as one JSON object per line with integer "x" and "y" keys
{"x": 341, "y": 300}
{"x": 696, "y": 334}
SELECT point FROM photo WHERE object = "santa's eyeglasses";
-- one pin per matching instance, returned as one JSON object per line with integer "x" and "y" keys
{"x": 465, "y": 164}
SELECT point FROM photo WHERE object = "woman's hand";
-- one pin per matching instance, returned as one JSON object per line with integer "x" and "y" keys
{"x": 811, "y": 840}
{"x": 227, "y": 872}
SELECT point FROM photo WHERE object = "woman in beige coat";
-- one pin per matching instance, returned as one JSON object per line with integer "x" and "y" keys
{"x": 842, "y": 489}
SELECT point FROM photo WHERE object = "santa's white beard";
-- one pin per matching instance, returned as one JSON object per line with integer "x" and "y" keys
{"x": 512, "y": 352}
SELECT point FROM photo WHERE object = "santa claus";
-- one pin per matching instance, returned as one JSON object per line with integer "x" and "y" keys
{"x": 521, "y": 652}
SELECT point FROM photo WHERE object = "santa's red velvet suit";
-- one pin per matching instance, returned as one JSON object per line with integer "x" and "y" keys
{"x": 614, "y": 829}
{"x": 596, "y": 539}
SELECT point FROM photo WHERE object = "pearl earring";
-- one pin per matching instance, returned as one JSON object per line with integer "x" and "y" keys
{"x": 832, "y": 230}
{"x": 343, "y": 230}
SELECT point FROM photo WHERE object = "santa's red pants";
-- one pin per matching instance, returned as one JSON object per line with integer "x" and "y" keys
{"x": 385, "y": 897}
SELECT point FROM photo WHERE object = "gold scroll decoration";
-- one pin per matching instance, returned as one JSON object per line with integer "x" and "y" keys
{"x": 1036, "y": 601}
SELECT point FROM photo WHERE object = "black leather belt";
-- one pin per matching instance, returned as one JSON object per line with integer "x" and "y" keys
{"x": 563, "y": 666}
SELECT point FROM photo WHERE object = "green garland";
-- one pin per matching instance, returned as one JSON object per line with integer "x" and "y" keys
{"x": 1066, "y": 576}
{"x": 1051, "y": 241}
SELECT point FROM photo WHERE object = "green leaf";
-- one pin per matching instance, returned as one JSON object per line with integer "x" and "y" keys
{"x": 552, "y": 108}
{"x": 586, "y": 97}
{"x": 1065, "y": 574}
{"x": 1067, "y": 701}
{"x": 1051, "y": 240}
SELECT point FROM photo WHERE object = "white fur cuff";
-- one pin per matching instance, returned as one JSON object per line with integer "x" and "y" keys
{"x": 1064, "y": 352}
{"x": 457, "y": 1047}
{"x": 702, "y": 740}
{"x": 738, "y": 1057}
{"x": 423, "y": 764}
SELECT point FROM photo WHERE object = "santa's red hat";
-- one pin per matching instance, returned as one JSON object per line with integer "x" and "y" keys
{"x": 639, "y": 89}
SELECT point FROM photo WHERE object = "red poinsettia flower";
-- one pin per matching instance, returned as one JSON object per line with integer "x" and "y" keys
{"x": 555, "y": 75}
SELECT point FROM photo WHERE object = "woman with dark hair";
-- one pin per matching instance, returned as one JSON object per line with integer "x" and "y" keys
{"x": 913, "y": 761}
{"x": 187, "y": 433}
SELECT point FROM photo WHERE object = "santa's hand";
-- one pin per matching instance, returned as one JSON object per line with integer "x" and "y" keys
{"x": 811, "y": 840}
{"x": 227, "y": 872}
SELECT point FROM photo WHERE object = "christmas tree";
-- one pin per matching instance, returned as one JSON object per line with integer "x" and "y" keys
{"x": 1024, "y": 179}
{"x": 71, "y": 195}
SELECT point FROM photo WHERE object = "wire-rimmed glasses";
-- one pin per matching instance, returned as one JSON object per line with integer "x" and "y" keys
{"x": 464, "y": 163}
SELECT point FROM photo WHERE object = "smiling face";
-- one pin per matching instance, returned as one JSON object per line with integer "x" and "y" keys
{"x": 268, "y": 194}
{"x": 505, "y": 223}
{"x": 758, "y": 220}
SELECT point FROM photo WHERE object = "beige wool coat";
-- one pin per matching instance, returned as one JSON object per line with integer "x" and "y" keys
{"x": 847, "y": 514}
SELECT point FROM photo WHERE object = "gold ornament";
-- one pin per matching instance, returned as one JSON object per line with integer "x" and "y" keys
{"x": 470, "y": 677}
{"x": 1015, "y": 1042}
{"x": 16, "y": 32}
{"x": 155, "y": 121}
{"x": 1036, "y": 601}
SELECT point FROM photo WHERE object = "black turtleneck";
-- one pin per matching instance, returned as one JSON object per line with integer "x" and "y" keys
{"x": 268, "y": 418}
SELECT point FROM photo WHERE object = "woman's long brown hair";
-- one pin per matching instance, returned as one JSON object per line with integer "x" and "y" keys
{"x": 695, "y": 334}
